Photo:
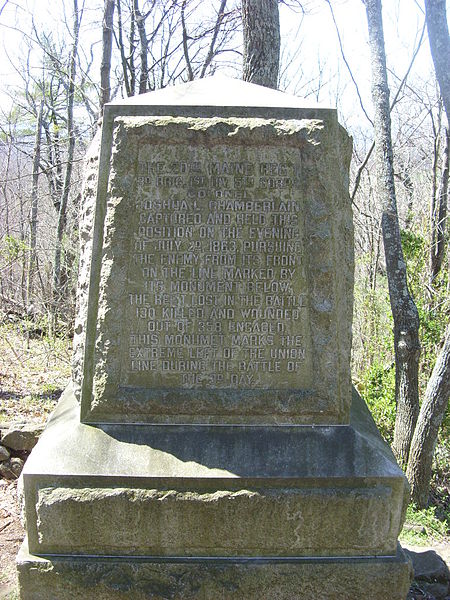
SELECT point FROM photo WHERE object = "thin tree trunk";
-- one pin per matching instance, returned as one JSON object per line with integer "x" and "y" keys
{"x": 132, "y": 66}
{"x": 438, "y": 388}
{"x": 34, "y": 206}
{"x": 55, "y": 170}
{"x": 430, "y": 418}
{"x": 125, "y": 65}
{"x": 211, "y": 50}
{"x": 185, "y": 43}
{"x": 6, "y": 289}
{"x": 261, "y": 28}
{"x": 404, "y": 311}
{"x": 140, "y": 24}
{"x": 439, "y": 216}
{"x": 403, "y": 174}
{"x": 436, "y": 17}
{"x": 105, "y": 69}
{"x": 57, "y": 294}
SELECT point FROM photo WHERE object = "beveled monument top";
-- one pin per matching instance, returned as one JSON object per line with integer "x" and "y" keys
{"x": 220, "y": 273}
{"x": 221, "y": 91}
{"x": 218, "y": 96}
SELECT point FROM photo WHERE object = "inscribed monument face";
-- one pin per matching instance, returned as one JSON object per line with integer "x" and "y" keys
{"x": 216, "y": 284}
{"x": 214, "y": 229}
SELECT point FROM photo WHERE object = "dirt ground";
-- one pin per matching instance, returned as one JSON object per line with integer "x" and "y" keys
{"x": 11, "y": 536}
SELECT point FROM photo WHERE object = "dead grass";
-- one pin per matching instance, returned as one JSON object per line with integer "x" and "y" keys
{"x": 33, "y": 374}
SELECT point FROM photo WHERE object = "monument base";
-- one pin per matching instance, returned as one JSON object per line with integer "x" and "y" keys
{"x": 95, "y": 578}
{"x": 160, "y": 511}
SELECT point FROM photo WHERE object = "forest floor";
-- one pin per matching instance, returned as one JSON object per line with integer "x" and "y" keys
{"x": 34, "y": 372}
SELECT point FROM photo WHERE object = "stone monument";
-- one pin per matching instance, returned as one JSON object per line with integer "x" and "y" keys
{"x": 210, "y": 445}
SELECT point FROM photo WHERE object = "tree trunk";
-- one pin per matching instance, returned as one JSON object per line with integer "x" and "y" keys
{"x": 140, "y": 24}
{"x": 261, "y": 28}
{"x": 124, "y": 62}
{"x": 211, "y": 51}
{"x": 436, "y": 17}
{"x": 105, "y": 69}
{"x": 185, "y": 43}
{"x": 57, "y": 293}
{"x": 404, "y": 175}
{"x": 404, "y": 311}
{"x": 34, "y": 206}
{"x": 430, "y": 418}
{"x": 439, "y": 216}
{"x": 438, "y": 388}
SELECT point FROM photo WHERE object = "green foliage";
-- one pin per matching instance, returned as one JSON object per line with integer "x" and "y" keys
{"x": 12, "y": 248}
{"x": 374, "y": 368}
{"x": 413, "y": 246}
{"x": 372, "y": 318}
{"x": 433, "y": 306}
{"x": 423, "y": 526}
{"x": 377, "y": 387}
{"x": 432, "y": 302}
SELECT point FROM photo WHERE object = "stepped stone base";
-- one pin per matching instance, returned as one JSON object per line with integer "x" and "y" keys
{"x": 94, "y": 578}
{"x": 160, "y": 511}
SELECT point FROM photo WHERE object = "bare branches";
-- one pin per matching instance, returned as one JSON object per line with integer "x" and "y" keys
{"x": 3, "y": 6}
{"x": 347, "y": 64}
{"x": 363, "y": 165}
{"x": 105, "y": 69}
{"x": 185, "y": 42}
{"x": 210, "y": 55}
{"x": 140, "y": 24}
{"x": 69, "y": 166}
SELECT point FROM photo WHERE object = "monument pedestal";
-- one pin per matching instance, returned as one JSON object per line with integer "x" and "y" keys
{"x": 211, "y": 446}
{"x": 94, "y": 578}
{"x": 210, "y": 512}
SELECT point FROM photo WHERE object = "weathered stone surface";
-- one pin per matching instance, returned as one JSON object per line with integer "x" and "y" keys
{"x": 245, "y": 522}
{"x": 429, "y": 566}
{"x": 4, "y": 454}
{"x": 22, "y": 437}
{"x": 86, "y": 238}
{"x": 115, "y": 579}
{"x": 203, "y": 490}
{"x": 11, "y": 468}
{"x": 270, "y": 341}
{"x": 431, "y": 572}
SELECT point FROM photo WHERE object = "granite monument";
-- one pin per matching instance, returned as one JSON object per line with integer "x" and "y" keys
{"x": 210, "y": 445}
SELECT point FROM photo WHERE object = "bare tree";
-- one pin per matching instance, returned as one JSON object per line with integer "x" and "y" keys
{"x": 105, "y": 69}
{"x": 57, "y": 292}
{"x": 261, "y": 26}
{"x": 438, "y": 36}
{"x": 430, "y": 419}
{"x": 404, "y": 310}
{"x": 160, "y": 43}
{"x": 34, "y": 205}
{"x": 438, "y": 213}
{"x": 438, "y": 389}
{"x": 139, "y": 19}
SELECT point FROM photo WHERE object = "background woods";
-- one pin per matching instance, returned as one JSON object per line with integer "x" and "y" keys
{"x": 62, "y": 71}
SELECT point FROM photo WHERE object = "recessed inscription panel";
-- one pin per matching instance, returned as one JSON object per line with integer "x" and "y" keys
{"x": 216, "y": 289}
{"x": 219, "y": 296}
